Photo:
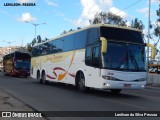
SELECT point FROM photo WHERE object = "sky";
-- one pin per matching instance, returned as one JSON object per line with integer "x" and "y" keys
{"x": 60, "y": 15}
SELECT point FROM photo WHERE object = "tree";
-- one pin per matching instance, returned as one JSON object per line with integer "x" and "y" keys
{"x": 39, "y": 39}
{"x": 138, "y": 24}
{"x": 29, "y": 47}
{"x": 33, "y": 42}
{"x": 78, "y": 28}
{"x": 157, "y": 29}
{"x": 46, "y": 39}
{"x": 108, "y": 18}
{"x": 64, "y": 32}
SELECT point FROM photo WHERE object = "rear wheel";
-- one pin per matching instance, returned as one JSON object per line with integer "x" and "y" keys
{"x": 4, "y": 72}
{"x": 81, "y": 82}
{"x": 26, "y": 76}
{"x": 38, "y": 77}
{"x": 116, "y": 91}
{"x": 43, "y": 80}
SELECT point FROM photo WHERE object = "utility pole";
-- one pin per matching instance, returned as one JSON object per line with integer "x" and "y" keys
{"x": 35, "y": 26}
{"x": 9, "y": 42}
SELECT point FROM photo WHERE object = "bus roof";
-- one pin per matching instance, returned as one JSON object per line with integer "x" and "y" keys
{"x": 16, "y": 52}
{"x": 91, "y": 26}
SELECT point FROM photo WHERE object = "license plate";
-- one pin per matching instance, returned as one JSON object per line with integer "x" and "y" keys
{"x": 127, "y": 85}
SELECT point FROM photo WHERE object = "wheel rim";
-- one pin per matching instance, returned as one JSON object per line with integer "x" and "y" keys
{"x": 81, "y": 83}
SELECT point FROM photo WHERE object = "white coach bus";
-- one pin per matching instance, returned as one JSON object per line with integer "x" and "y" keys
{"x": 99, "y": 56}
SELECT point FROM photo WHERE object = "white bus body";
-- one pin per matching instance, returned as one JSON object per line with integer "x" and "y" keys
{"x": 68, "y": 66}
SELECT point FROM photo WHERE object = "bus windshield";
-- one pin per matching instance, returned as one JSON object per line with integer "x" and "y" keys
{"x": 22, "y": 64}
{"x": 122, "y": 56}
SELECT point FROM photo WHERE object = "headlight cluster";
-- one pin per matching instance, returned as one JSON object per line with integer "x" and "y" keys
{"x": 141, "y": 79}
{"x": 115, "y": 79}
{"x": 110, "y": 78}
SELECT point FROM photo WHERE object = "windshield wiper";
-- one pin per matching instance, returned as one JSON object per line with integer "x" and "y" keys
{"x": 133, "y": 60}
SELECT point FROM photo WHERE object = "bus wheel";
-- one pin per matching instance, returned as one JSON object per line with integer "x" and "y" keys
{"x": 81, "y": 82}
{"x": 5, "y": 73}
{"x": 38, "y": 77}
{"x": 26, "y": 76}
{"x": 43, "y": 80}
{"x": 116, "y": 91}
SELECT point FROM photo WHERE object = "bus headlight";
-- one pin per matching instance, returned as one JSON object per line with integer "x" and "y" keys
{"x": 142, "y": 79}
{"x": 108, "y": 77}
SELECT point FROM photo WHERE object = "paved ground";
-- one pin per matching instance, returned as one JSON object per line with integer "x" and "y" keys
{"x": 59, "y": 97}
{"x": 9, "y": 103}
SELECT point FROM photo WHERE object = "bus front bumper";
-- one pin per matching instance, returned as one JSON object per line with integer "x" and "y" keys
{"x": 123, "y": 85}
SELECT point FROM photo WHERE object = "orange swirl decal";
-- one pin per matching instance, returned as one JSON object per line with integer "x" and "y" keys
{"x": 61, "y": 76}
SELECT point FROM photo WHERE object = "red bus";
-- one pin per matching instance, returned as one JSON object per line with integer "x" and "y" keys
{"x": 17, "y": 64}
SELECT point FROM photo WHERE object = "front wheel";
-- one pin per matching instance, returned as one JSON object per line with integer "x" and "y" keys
{"x": 81, "y": 82}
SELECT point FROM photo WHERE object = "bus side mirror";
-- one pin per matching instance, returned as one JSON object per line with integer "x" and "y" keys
{"x": 103, "y": 45}
{"x": 153, "y": 50}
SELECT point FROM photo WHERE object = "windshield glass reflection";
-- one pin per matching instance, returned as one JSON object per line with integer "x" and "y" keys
{"x": 124, "y": 57}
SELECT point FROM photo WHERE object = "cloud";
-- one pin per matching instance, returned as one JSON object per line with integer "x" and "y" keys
{"x": 91, "y": 7}
{"x": 26, "y": 1}
{"x": 51, "y": 3}
{"x": 27, "y": 17}
{"x": 104, "y": 4}
{"x": 144, "y": 11}
{"x": 118, "y": 12}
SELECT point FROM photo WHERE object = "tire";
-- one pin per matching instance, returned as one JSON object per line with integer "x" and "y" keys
{"x": 81, "y": 82}
{"x": 156, "y": 71}
{"x": 116, "y": 91}
{"x": 4, "y": 72}
{"x": 25, "y": 76}
{"x": 43, "y": 79}
{"x": 38, "y": 77}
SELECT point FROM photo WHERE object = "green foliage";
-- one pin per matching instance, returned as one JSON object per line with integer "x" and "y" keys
{"x": 108, "y": 18}
{"x": 33, "y": 42}
{"x": 157, "y": 29}
{"x": 137, "y": 24}
{"x": 39, "y": 40}
{"x": 64, "y": 32}
{"x": 29, "y": 47}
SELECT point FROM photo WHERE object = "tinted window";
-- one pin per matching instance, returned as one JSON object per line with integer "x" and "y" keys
{"x": 68, "y": 43}
{"x": 64, "y": 44}
{"x": 118, "y": 34}
{"x": 45, "y": 49}
{"x": 136, "y": 57}
{"x": 116, "y": 56}
{"x": 56, "y": 45}
{"x": 80, "y": 40}
{"x": 93, "y": 36}
{"x": 92, "y": 56}
{"x": 35, "y": 51}
{"x": 88, "y": 56}
{"x": 95, "y": 56}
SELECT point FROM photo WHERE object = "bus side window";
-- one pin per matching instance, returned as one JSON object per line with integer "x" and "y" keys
{"x": 95, "y": 56}
{"x": 88, "y": 56}
{"x": 92, "y": 56}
